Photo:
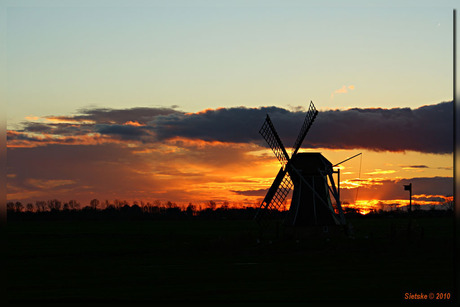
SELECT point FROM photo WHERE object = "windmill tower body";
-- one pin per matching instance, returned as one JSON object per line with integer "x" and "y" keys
{"x": 311, "y": 202}
{"x": 310, "y": 174}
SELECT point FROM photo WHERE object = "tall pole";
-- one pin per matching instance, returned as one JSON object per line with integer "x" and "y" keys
{"x": 409, "y": 188}
{"x": 338, "y": 184}
{"x": 410, "y": 198}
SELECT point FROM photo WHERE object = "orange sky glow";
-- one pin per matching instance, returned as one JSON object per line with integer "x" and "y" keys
{"x": 191, "y": 170}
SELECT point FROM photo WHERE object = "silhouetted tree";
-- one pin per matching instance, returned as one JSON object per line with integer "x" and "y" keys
{"x": 74, "y": 205}
{"x": 94, "y": 203}
{"x": 18, "y": 206}
{"x": 117, "y": 203}
{"x": 40, "y": 205}
{"x": 190, "y": 209}
{"x": 212, "y": 205}
{"x": 350, "y": 210}
{"x": 30, "y": 207}
{"x": 381, "y": 207}
{"x": 448, "y": 205}
{"x": 54, "y": 204}
{"x": 10, "y": 206}
{"x": 142, "y": 205}
{"x": 225, "y": 205}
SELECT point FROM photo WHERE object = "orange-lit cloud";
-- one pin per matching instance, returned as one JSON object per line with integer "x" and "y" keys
{"x": 32, "y": 118}
{"x": 343, "y": 90}
{"x": 67, "y": 120}
{"x": 50, "y": 183}
{"x": 204, "y": 111}
{"x": 25, "y": 140}
{"x": 381, "y": 172}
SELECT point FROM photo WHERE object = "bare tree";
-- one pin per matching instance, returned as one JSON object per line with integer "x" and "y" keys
{"x": 40, "y": 205}
{"x": 225, "y": 205}
{"x": 190, "y": 209}
{"x": 94, "y": 203}
{"x": 30, "y": 207}
{"x": 18, "y": 206}
{"x": 74, "y": 205}
{"x": 212, "y": 205}
{"x": 10, "y": 206}
{"x": 448, "y": 205}
{"x": 54, "y": 204}
{"x": 117, "y": 204}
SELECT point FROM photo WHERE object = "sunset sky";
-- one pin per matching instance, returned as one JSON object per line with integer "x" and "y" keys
{"x": 163, "y": 100}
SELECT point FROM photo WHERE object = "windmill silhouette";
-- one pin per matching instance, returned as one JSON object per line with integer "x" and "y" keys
{"x": 311, "y": 176}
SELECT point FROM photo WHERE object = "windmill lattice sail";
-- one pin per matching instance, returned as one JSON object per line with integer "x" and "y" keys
{"x": 309, "y": 119}
{"x": 275, "y": 197}
{"x": 271, "y": 136}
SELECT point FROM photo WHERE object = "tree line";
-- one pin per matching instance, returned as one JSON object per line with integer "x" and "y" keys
{"x": 122, "y": 209}
{"x": 157, "y": 209}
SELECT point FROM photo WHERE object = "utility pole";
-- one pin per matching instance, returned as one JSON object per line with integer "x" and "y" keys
{"x": 409, "y": 188}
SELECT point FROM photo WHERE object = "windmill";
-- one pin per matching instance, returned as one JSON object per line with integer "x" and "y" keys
{"x": 311, "y": 177}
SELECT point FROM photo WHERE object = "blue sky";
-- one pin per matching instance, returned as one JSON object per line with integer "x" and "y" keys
{"x": 64, "y": 56}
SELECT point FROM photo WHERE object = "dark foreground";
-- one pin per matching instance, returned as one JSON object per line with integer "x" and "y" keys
{"x": 203, "y": 260}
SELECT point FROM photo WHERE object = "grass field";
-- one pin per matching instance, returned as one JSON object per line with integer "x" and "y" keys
{"x": 201, "y": 260}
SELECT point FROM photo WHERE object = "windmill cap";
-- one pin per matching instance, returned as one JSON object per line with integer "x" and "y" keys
{"x": 311, "y": 162}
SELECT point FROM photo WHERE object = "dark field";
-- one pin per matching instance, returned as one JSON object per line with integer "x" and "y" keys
{"x": 201, "y": 260}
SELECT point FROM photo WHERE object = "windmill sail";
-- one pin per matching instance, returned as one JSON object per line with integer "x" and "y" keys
{"x": 271, "y": 136}
{"x": 275, "y": 197}
{"x": 309, "y": 119}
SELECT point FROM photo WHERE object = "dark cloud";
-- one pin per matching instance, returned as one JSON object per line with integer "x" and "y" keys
{"x": 414, "y": 166}
{"x": 259, "y": 192}
{"x": 125, "y": 132}
{"x": 224, "y": 125}
{"x": 118, "y": 116}
{"x": 430, "y": 199}
{"x": 426, "y": 129}
{"x": 64, "y": 129}
{"x": 37, "y": 127}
